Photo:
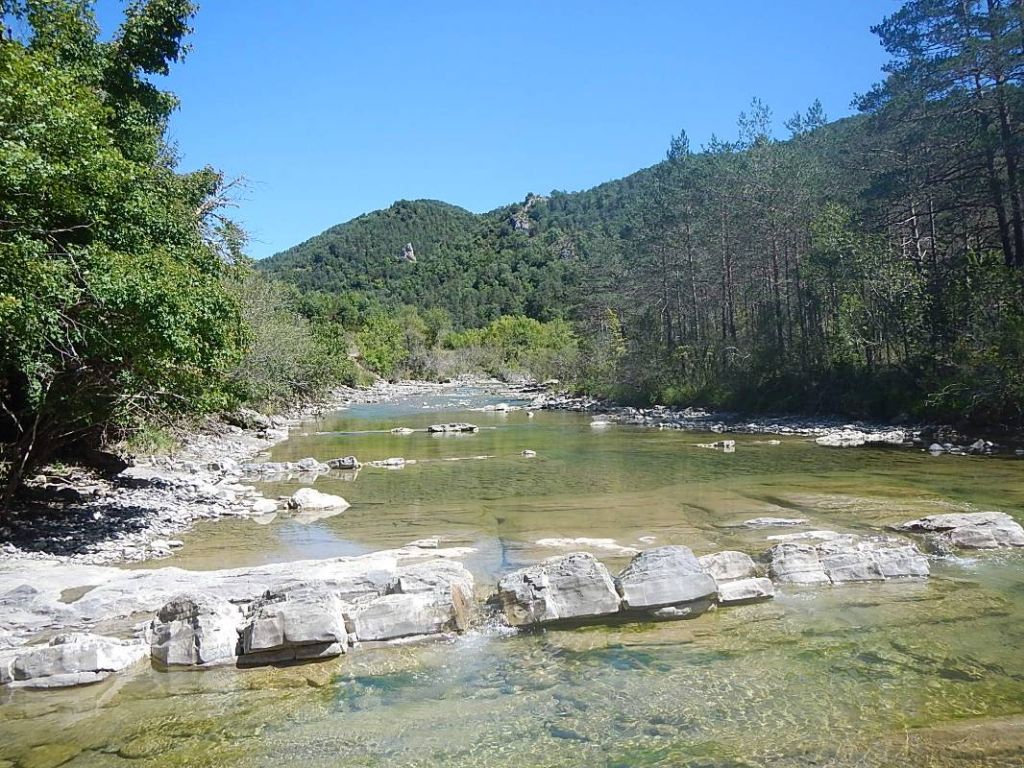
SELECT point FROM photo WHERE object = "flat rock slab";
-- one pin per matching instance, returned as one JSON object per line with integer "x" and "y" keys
{"x": 455, "y": 427}
{"x": 740, "y": 591}
{"x": 970, "y": 530}
{"x": 663, "y": 576}
{"x": 846, "y": 558}
{"x": 572, "y": 587}
{"x": 71, "y": 659}
{"x": 392, "y": 617}
{"x": 774, "y": 522}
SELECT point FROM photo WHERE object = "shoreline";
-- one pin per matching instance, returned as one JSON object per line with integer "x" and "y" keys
{"x": 828, "y": 430}
{"x": 133, "y": 518}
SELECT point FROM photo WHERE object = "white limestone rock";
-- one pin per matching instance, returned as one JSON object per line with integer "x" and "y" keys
{"x": 312, "y": 499}
{"x": 304, "y": 621}
{"x": 571, "y": 587}
{"x": 970, "y": 530}
{"x": 853, "y": 438}
{"x": 457, "y": 427}
{"x": 741, "y": 591}
{"x": 70, "y": 659}
{"x": 728, "y": 565}
{"x": 663, "y": 576}
{"x": 195, "y": 629}
{"x": 846, "y": 558}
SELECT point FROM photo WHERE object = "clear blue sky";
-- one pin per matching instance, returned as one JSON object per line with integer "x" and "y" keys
{"x": 332, "y": 108}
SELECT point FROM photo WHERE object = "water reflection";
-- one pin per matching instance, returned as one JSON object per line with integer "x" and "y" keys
{"x": 922, "y": 673}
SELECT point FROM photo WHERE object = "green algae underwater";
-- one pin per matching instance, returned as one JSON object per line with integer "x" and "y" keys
{"x": 910, "y": 673}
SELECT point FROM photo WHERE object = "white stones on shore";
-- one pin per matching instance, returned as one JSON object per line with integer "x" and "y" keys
{"x": 853, "y": 438}
{"x": 846, "y": 558}
{"x": 969, "y": 530}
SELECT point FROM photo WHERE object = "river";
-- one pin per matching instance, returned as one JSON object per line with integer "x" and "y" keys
{"x": 914, "y": 673}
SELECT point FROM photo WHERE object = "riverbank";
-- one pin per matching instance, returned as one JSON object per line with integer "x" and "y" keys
{"x": 832, "y": 431}
{"x": 83, "y": 518}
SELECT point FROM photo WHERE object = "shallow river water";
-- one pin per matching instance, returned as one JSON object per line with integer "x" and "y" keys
{"x": 915, "y": 673}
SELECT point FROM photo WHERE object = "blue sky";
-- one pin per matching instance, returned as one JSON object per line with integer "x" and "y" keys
{"x": 333, "y": 108}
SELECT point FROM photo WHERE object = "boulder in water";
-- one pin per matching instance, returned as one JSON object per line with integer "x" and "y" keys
{"x": 310, "y": 498}
{"x": 739, "y": 591}
{"x": 195, "y": 629}
{"x": 846, "y": 558}
{"x": 300, "y": 622}
{"x": 663, "y": 576}
{"x": 572, "y": 587}
{"x": 70, "y": 659}
{"x": 970, "y": 530}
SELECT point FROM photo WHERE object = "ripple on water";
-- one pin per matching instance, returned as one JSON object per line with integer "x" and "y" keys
{"x": 918, "y": 673}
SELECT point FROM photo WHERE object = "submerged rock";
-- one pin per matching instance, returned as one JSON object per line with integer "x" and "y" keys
{"x": 395, "y": 462}
{"x": 453, "y": 427}
{"x": 970, "y": 530}
{"x": 726, "y": 446}
{"x": 774, "y": 522}
{"x": 572, "y": 587}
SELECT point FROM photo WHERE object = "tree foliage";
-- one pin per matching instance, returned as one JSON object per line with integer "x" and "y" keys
{"x": 111, "y": 299}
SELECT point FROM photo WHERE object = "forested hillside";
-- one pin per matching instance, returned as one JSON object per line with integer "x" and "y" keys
{"x": 871, "y": 266}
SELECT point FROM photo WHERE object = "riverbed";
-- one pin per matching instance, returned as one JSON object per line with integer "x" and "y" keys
{"x": 917, "y": 673}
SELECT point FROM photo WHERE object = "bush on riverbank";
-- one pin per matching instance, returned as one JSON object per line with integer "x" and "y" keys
{"x": 112, "y": 305}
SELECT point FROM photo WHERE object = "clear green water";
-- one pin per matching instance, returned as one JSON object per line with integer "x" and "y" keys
{"x": 911, "y": 673}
